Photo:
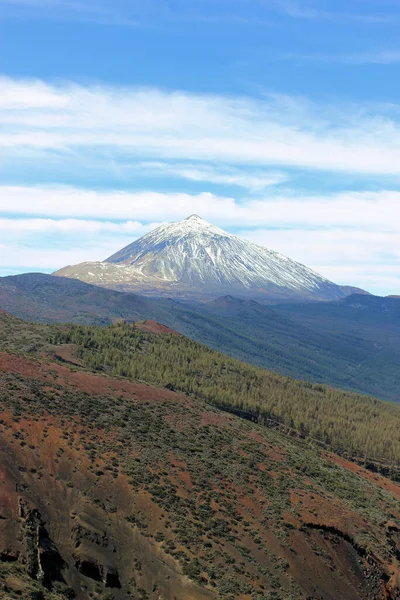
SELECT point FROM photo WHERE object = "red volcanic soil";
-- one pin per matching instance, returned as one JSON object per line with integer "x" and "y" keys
{"x": 154, "y": 327}
{"x": 53, "y": 373}
{"x": 66, "y": 353}
{"x": 140, "y": 489}
{"x": 387, "y": 484}
{"x": 88, "y": 520}
{"x": 314, "y": 508}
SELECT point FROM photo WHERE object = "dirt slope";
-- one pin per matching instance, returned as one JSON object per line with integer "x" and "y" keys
{"x": 113, "y": 489}
{"x": 154, "y": 327}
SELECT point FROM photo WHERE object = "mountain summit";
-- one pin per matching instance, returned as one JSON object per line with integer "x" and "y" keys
{"x": 197, "y": 260}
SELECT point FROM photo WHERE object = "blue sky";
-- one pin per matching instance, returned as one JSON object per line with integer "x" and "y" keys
{"x": 276, "y": 120}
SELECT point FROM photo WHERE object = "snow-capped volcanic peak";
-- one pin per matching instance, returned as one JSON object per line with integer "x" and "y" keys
{"x": 194, "y": 252}
{"x": 192, "y": 224}
{"x": 193, "y": 259}
{"x": 193, "y": 227}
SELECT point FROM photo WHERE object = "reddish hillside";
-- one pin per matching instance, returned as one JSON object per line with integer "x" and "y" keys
{"x": 154, "y": 327}
{"x": 114, "y": 489}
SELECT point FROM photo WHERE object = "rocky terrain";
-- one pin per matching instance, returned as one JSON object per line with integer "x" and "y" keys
{"x": 112, "y": 488}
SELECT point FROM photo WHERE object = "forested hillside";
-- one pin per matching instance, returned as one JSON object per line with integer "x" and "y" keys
{"x": 348, "y": 423}
{"x": 351, "y": 349}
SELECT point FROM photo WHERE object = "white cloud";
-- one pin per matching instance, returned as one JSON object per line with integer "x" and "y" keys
{"x": 40, "y": 258}
{"x": 371, "y": 211}
{"x": 253, "y": 180}
{"x": 154, "y": 124}
{"x": 73, "y": 226}
{"x": 31, "y": 243}
{"x": 13, "y": 96}
{"x": 147, "y": 206}
{"x": 379, "y": 279}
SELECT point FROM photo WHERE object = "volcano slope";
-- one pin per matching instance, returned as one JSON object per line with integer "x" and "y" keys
{"x": 112, "y": 488}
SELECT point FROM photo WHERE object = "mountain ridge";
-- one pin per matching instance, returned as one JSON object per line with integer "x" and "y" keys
{"x": 194, "y": 259}
{"x": 337, "y": 345}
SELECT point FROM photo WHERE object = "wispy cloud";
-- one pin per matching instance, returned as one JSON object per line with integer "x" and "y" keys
{"x": 24, "y": 226}
{"x": 384, "y": 57}
{"x": 94, "y": 11}
{"x": 249, "y": 179}
{"x": 46, "y": 243}
{"x": 248, "y": 12}
{"x": 379, "y": 57}
{"x": 313, "y": 11}
{"x": 368, "y": 211}
{"x": 151, "y": 124}
{"x": 137, "y": 12}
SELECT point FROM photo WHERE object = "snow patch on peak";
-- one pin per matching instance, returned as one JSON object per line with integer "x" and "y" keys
{"x": 194, "y": 256}
{"x": 190, "y": 225}
{"x": 194, "y": 217}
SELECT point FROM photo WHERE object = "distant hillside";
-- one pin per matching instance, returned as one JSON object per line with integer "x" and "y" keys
{"x": 338, "y": 350}
{"x": 114, "y": 488}
{"x": 358, "y": 308}
{"x": 353, "y": 343}
{"x": 371, "y": 318}
{"x": 45, "y": 298}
